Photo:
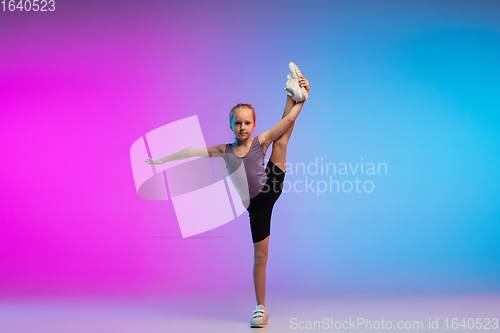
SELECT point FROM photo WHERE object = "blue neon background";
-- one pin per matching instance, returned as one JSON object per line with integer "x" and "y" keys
{"x": 412, "y": 84}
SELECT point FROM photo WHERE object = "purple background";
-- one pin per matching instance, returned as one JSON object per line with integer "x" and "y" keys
{"x": 413, "y": 84}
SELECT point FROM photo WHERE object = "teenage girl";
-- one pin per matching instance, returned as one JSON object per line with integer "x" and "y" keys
{"x": 264, "y": 186}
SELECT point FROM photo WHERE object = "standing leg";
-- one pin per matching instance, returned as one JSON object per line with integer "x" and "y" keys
{"x": 261, "y": 248}
{"x": 259, "y": 270}
{"x": 278, "y": 155}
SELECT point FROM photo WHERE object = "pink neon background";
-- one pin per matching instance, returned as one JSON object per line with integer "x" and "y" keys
{"x": 411, "y": 85}
{"x": 77, "y": 89}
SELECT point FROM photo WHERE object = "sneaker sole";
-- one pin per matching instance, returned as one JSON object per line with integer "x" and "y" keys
{"x": 292, "y": 67}
{"x": 259, "y": 326}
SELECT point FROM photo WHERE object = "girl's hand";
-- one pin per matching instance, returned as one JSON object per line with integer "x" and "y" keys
{"x": 304, "y": 83}
{"x": 148, "y": 161}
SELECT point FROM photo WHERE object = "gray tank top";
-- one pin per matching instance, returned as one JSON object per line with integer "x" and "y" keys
{"x": 254, "y": 177}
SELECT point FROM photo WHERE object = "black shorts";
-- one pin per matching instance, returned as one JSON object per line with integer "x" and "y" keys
{"x": 261, "y": 206}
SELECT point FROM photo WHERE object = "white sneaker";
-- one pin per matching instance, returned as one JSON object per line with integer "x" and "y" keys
{"x": 293, "y": 88}
{"x": 259, "y": 318}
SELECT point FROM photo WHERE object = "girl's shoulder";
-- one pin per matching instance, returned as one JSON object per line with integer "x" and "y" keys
{"x": 217, "y": 149}
{"x": 222, "y": 147}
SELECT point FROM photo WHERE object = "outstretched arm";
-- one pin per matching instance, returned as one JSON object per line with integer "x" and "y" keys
{"x": 215, "y": 151}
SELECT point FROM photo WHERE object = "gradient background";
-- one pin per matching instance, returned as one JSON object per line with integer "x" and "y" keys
{"x": 413, "y": 84}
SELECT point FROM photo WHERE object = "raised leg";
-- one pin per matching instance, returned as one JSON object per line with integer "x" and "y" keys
{"x": 278, "y": 155}
{"x": 288, "y": 107}
{"x": 259, "y": 270}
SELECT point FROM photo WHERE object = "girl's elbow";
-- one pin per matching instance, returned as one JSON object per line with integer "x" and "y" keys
{"x": 190, "y": 152}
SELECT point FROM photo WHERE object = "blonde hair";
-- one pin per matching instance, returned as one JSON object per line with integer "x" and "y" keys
{"x": 240, "y": 105}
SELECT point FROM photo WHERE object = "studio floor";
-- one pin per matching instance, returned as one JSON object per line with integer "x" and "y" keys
{"x": 232, "y": 314}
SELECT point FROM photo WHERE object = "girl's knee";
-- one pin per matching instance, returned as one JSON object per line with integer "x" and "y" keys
{"x": 260, "y": 259}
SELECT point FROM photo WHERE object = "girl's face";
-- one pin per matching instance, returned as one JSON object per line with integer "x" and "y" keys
{"x": 242, "y": 123}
